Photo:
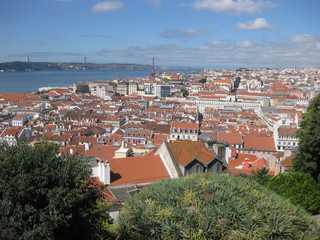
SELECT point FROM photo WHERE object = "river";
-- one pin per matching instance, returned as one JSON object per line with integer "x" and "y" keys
{"x": 26, "y": 82}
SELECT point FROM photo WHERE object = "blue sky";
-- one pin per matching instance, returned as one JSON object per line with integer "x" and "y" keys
{"x": 199, "y": 33}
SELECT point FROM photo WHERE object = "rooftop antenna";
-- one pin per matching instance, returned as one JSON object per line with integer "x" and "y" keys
{"x": 152, "y": 73}
{"x": 85, "y": 63}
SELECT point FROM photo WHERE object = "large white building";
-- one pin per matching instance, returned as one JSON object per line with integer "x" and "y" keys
{"x": 11, "y": 135}
{"x": 210, "y": 102}
{"x": 286, "y": 138}
{"x": 20, "y": 120}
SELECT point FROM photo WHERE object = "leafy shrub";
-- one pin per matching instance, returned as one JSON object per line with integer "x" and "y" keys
{"x": 211, "y": 206}
{"x": 299, "y": 188}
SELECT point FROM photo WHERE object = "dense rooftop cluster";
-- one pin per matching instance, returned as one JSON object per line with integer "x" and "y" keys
{"x": 137, "y": 131}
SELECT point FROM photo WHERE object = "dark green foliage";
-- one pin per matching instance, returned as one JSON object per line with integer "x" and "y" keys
{"x": 184, "y": 92}
{"x": 211, "y": 206}
{"x": 261, "y": 175}
{"x": 51, "y": 66}
{"x": 308, "y": 157}
{"x": 299, "y": 188}
{"x": 203, "y": 80}
{"x": 29, "y": 66}
{"x": 43, "y": 196}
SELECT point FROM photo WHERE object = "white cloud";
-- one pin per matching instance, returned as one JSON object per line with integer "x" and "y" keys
{"x": 187, "y": 33}
{"x": 257, "y": 24}
{"x": 217, "y": 44}
{"x": 245, "y": 44}
{"x": 232, "y": 6}
{"x": 303, "y": 38}
{"x": 279, "y": 53}
{"x": 107, "y": 6}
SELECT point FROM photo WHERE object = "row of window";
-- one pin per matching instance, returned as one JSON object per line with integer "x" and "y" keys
{"x": 287, "y": 143}
{"x": 184, "y": 131}
{"x": 183, "y": 137}
{"x": 138, "y": 135}
{"x": 286, "y": 137}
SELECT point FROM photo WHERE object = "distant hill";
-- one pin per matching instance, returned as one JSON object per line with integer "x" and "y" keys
{"x": 18, "y": 66}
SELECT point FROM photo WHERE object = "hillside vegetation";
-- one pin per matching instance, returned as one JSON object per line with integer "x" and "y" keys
{"x": 211, "y": 206}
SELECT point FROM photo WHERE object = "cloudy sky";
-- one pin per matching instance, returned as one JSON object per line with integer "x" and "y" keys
{"x": 195, "y": 33}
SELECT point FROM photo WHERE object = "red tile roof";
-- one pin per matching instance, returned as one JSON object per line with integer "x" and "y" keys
{"x": 101, "y": 151}
{"x": 240, "y": 159}
{"x": 259, "y": 143}
{"x": 184, "y": 125}
{"x": 288, "y": 161}
{"x": 231, "y": 138}
{"x": 285, "y": 131}
{"x": 11, "y": 131}
{"x": 133, "y": 170}
{"x": 18, "y": 97}
{"x": 184, "y": 152}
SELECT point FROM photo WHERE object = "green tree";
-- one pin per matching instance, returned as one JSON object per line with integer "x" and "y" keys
{"x": 261, "y": 175}
{"x": 299, "y": 188}
{"x": 203, "y": 80}
{"x": 184, "y": 92}
{"x": 308, "y": 156}
{"x": 211, "y": 206}
{"x": 43, "y": 196}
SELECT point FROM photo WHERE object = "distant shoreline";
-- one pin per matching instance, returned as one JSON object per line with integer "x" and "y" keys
{"x": 18, "y": 66}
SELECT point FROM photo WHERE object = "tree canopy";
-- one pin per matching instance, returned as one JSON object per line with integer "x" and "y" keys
{"x": 43, "y": 196}
{"x": 308, "y": 156}
{"x": 299, "y": 188}
{"x": 211, "y": 206}
{"x": 203, "y": 80}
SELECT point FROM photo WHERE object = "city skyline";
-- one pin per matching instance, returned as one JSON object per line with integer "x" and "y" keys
{"x": 203, "y": 33}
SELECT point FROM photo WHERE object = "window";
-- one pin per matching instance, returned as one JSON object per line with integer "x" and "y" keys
{"x": 219, "y": 167}
{"x": 221, "y": 152}
{"x": 199, "y": 169}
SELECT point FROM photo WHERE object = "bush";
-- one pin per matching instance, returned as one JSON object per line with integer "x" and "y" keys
{"x": 299, "y": 188}
{"x": 43, "y": 196}
{"x": 211, "y": 206}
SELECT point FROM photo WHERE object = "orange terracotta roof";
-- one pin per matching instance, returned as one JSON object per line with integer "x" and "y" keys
{"x": 21, "y": 115}
{"x": 240, "y": 159}
{"x": 184, "y": 152}
{"x": 101, "y": 151}
{"x": 285, "y": 131}
{"x": 231, "y": 138}
{"x": 11, "y": 131}
{"x": 133, "y": 170}
{"x": 54, "y": 137}
{"x": 17, "y": 97}
{"x": 259, "y": 143}
{"x": 61, "y": 90}
{"x": 259, "y": 163}
{"x": 288, "y": 161}
{"x": 185, "y": 125}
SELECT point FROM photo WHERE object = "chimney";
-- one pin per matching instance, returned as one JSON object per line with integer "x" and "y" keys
{"x": 124, "y": 144}
{"x": 104, "y": 172}
{"x": 246, "y": 164}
